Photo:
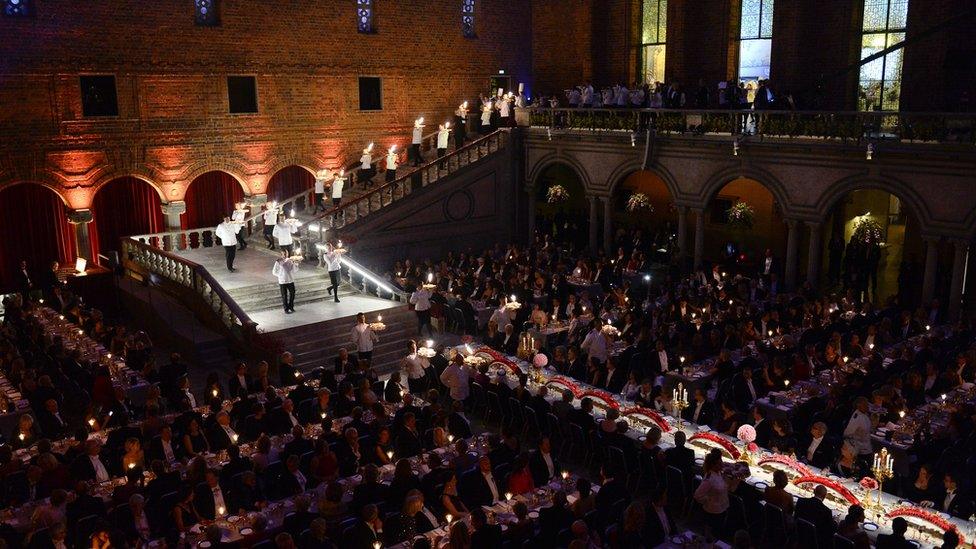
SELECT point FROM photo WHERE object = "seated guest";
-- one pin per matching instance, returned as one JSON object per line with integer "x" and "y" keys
{"x": 777, "y": 494}
{"x": 954, "y": 503}
{"x": 924, "y": 489}
{"x": 543, "y": 464}
{"x": 818, "y": 451}
{"x": 450, "y": 501}
{"x": 850, "y": 527}
{"x": 365, "y": 532}
{"x": 700, "y": 411}
{"x": 484, "y": 535}
{"x": 408, "y": 443}
{"x": 847, "y": 465}
{"x": 370, "y": 490}
{"x": 246, "y": 495}
{"x": 660, "y": 524}
{"x": 524, "y": 527}
{"x": 183, "y": 514}
{"x": 520, "y": 481}
{"x": 813, "y": 510}
{"x": 782, "y": 440}
{"x": 586, "y": 501}
{"x": 330, "y": 504}
{"x": 292, "y": 482}
{"x": 301, "y": 519}
{"x": 680, "y": 456}
{"x": 348, "y": 453}
{"x": 404, "y": 480}
{"x": 478, "y": 487}
{"x": 896, "y": 539}
{"x": 209, "y": 500}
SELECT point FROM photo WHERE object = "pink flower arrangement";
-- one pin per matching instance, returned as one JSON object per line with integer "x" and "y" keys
{"x": 869, "y": 483}
{"x": 649, "y": 414}
{"x": 836, "y": 487}
{"x": 746, "y": 433}
{"x": 787, "y": 461}
{"x": 718, "y": 441}
{"x": 931, "y": 518}
{"x": 752, "y": 447}
{"x": 603, "y": 396}
{"x": 540, "y": 360}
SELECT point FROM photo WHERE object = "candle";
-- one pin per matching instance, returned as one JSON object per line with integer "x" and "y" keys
{"x": 430, "y": 277}
{"x": 91, "y": 422}
{"x": 450, "y": 438}
{"x": 681, "y": 359}
{"x": 41, "y": 300}
{"x": 513, "y": 298}
{"x": 80, "y": 331}
{"x": 214, "y": 392}
{"x": 448, "y": 517}
{"x": 786, "y": 382}
{"x": 943, "y": 397}
{"x": 901, "y": 414}
{"x": 770, "y": 333}
{"x": 565, "y": 475}
{"x": 389, "y": 454}
{"x": 221, "y": 511}
{"x": 927, "y": 327}
{"x": 871, "y": 346}
{"x": 430, "y": 343}
{"x": 845, "y": 360}
{"x": 234, "y": 437}
{"x": 21, "y": 437}
{"x": 508, "y": 496}
{"x": 109, "y": 355}
{"x": 377, "y": 545}
{"x": 132, "y": 466}
{"x": 323, "y": 415}
{"x": 60, "y": 317}
{"x": 379, "y": 318}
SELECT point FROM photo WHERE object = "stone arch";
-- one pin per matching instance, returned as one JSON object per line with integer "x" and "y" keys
{"x": 50, "y": 185}
{"x": 232, "y": 170}
{"x": 839, "y": 189}
{"x": 625, "y": 170}
{"x": 141, "y": 175}
{"x": 722, "y": 178}
{"x": 542, "y": 165}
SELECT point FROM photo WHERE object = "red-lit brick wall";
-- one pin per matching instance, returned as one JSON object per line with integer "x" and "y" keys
{"x": 173, "y": 121}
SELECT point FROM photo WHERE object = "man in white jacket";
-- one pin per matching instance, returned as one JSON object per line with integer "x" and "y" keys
{"x": 238, "y": 217}
{"x": 320, "y": 179}
{"x": 227, "y": 233}
{"x": 363, "y": 337}
{"x": 417, "y": 139}
{"x": 392, "y": 159}
{"x": 270, "y": 217}
{"x": 366, "y": 171}
{"x": 283, "y": 231}
{"x": 284, "y": 269}
{"x": 443, "y": 135}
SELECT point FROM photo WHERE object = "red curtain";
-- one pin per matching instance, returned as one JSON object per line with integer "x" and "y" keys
{"x": 210, "y": 198}
{"x": 124, "y": 207}
{"x": 289, "y": 182}
{"x": 34, "y": 227}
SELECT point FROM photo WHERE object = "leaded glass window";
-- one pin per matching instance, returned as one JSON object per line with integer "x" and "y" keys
{"x": 364, "y": 15}
{"x": 206, "y": 13}
{"x": 17, "y": 8}
{"x": 467, "y": 18}
{"x": 653, "y": 47}
{"x": 755, "y": 40}
{"x": 883, "y": 26}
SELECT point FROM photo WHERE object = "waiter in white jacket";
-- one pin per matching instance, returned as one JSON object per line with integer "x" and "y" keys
{"x": 418, "y": 138}
{"x": 363, "y": 337}
{"x": 366, "y": 172}
{"x": 392, "y": 159}
{"x": 238, "y": 217}
{"x": 283, "y": 231}
{"x": 284, "y": 269}
{"x": 270, "y": 217}
{"x": 420, "y": 299}
{"x": 333, "y": 262}
{"x": 227, "y": 233}
{"x": 320, "y": 179}
{"x": 443, "y": 136}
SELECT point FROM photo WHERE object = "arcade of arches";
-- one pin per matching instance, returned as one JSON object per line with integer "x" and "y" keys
{"x": 869, "y": 243}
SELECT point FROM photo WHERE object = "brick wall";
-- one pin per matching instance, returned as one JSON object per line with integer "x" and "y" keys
{"x": 173, "y": 118}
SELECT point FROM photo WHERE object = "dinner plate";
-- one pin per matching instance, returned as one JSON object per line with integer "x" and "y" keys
{"x": 761, "y": 485}
{"x": 870, "y": 527}
{"x": 533, "y": 514}
{"x": 233, "y": 519}
{"x": 246, "y": 531}
{"x": 204, "y": 544}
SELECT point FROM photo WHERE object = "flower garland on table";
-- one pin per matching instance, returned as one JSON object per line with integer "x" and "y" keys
{"x": 829, "y": 484}
{"x": 495, "y": 357}
{"x": 649, "y": 414}
{"x": 787, "y": 461}
{"x": 868, "y": 231}
{"x": 565, "y": 382}
{"x": 741, "y": 214}
{"x": 638, "y": 202}
{"x": 931, "y": 518}
{"x": 602, "y": 396}
{"x": 557, "y": 194}
{"x": 719, "y": 441}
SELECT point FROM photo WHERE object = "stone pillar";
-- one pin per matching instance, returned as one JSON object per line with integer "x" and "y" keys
{"x": 530, "y": 191}
{"x": 792, "y": 243}
{"x": 256, "y": 201}
{"x": 814, "y": 253}
{"x": 171, "y": 214}
{"x": 958, "y": 271}
{"x": 80, "y": 220}
{"x": 608, "y": 224}
{"x": 699, "y": 236}
{"x": 931, "y": 264}
{"x": 593, "y": 220}
{"x": 682, "y": 233}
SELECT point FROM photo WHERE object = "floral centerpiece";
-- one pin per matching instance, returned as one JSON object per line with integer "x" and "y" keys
{"x": 601, "y": 397}
{"x": 557, "y": 194}
{"x": 639, "y": 202}
{"x": 640, "y": 411}
{"x": 747, "y": 435}
{"x": 835, "y": 487}
{"x": 926, "y": 516}
{"x": 867, "y": 231}
{"x": 716, "y": 440}
{"x": 869, "y": 483}
{"x": 788, "y": 462}
{"x": 566, "y": 383}
{"x": 741, "y": 214}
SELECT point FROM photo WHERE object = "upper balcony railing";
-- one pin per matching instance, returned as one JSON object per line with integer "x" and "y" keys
{"x": 917, "y": 127}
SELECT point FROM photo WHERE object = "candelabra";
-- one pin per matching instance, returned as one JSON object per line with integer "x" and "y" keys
{"x": 679, "y": 401}
{"x": 883, "y": 469}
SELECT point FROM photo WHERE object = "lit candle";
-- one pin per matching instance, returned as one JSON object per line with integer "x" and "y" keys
{"x": 234, "y": 437}
{"x": 450, "y": 438}
{"x": 80, "y": 331}
{"x": 513, "y": 298}
{"x": 448, "y": 517}
{"x": 379, "y": 318}
{"x": 927, "y": 327}
{"x": 221, "y": 511}
{"x": 60, "y": 317}
{"x": 845, "y": 360}
{"x": 41, "y": 300}
{"x": 430, "y": 278}
{"x": 901, "y": 414}
{"x": 943, "y": 397}
{"x": 133, "y": 466}
{"x": 91, "y": 422}
{"x": 565, "y": 475}
{"x": 109, "y": 355}
{"x": 786, "y": 382}
{"x": 214, "y": 392}
{"x": 681, "y": 359}
{"x": 871, "y": 346}
{"x": 770, "y": 333}
{"x": 21, "y": 437}
{"x": 508, "y": 496}
{"x": 430, "y": 343}
{"x": 389, "y": 454}
{"x": 377, "y": 545}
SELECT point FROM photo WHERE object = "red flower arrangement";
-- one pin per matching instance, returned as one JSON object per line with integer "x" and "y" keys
{"x": 649, "y": 414}
{"x": 719, "y": 441}
{"x": 830, "y": 485}
{"x": 752, "y": 447}
{"x": 602, "y": 396}
{"x": 565, "y": 382}
{"x": 931, "y": 518}
{"x": 787, "y": 461}
{"x": 869, "y": 483}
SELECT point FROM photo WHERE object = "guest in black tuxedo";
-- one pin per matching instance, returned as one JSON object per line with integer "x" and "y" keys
{"x": 554, "y": 519}
{"x": 745, "y": 390}
{"x": 612, "y": 490}
{"x": 953, "y": 502}
{"x": 49, "y": 419}
{"x": 896, "y": 539}
{"x": 239, "y": 384}
{"x": 543, "y": 464}
{"x": 457, "y": 423}
{"x": 613, "y": 378}
{"x": 509, "y": 341}
{"x": 817, "y": 449}
{"x": 164, "y": 447}
{"x": 283, "y": 419}
{"x": 364, "y": 532}
{"x": 680, "y": 456}
{"x": 764, "y": 427}
{"x": 295, "y": 523}
{"x": 221, "y": 434}
{"x": 246, "y": 494}
{"x": 287, "y": 373}
{"x": 292, "y": 481}
{"x": 83, "y": 505}
{"x": 700, "y": 411}
{"x": 661, "y": 360}
{"x": 134, "y": 522}
{"x": 408, "y": 443}
{"x": 479, "y": 487}
{"x": 209, "y": 499}
{"x": 370, "y": 490}
{"x": 813, "y": 510}
{"x": 91, "y": 465}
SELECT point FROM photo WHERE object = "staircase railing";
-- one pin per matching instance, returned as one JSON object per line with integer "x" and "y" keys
{"x": 190, "y": 276}
{"x": 314, "y": 231}
{"x": 364, "y": 279}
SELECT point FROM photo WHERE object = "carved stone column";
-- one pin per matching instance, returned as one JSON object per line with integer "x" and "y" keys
{"x": 814, "y": 253}
{"x": 931, "y": 264}
{"x": 958, "y": 273}
{"x": 792, "y": 243}
{"x": 256, "y": 201}
{"x": 172, "y": 212}
{"x": 80, "y": 220}
{"x": 594, "y": 215}
{"x": 699, "y": 236}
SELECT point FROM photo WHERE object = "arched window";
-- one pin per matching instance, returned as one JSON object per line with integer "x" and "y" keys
{"x": 17, "y": 8}
{"x": 755, "y": 39}
{"x": 654, "y": 26}
{"x": 880, "y": 81}
{"x": 206, "y": 13}
{"x": 467, "y": 18}
{"x": 364, "y": 16}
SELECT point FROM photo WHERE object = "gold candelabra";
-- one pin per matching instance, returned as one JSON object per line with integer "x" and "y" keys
{"x": 679, "y": 401}
{"x": 883, "y": 469}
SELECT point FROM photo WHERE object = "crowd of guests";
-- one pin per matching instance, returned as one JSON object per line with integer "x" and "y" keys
{"x": 757, "y": 94}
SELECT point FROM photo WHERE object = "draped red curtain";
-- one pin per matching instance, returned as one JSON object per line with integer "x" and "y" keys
{"x": 124, "y": 207}
{"x": 289, "y": 182}
{"x": 34, "y": 227}
{"x": 209, "y": 198}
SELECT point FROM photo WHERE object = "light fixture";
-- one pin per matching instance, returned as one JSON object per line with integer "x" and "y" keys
{"x": 869, "y": 154}
{"x": 549, "y": 133}
{"x": 735, "y": 147}
{"x": 501, "y": 71}
{"x": 633, "y": 139}
{"x": 80, "y": 264}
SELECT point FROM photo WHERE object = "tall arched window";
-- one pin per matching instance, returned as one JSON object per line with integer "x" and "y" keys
{"x": 17, "y": 8}
{"x": 755, "y": 39}
{"x": 467, "y": 18}
{"x": 883, "y": 26}
{"x": 654, "y": 26}
{"x": 364, "y": 16}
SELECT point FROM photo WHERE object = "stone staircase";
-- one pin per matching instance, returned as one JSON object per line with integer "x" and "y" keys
{"x": 264, "y": 297}
{"x": 315, "y": 345}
